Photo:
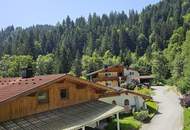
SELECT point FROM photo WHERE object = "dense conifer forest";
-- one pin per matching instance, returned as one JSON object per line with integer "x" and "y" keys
{"x": 155, "y": 41}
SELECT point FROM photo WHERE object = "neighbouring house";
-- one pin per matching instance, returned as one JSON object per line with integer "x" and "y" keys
{"x": 53, "y": 102}
{"x": 130, "y": 100}
{"x": 110, "y": 76}
{"x": 118, "y": 77}
{"x": 133, "y": 76}
{"x": 115, "y": 76}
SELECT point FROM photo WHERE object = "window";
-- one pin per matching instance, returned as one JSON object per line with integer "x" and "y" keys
{"x": 126, "y": 102}
{"x": 42, "y": 97}
{"x": 108, "y": 74}
{"x": 109, "y": 83}
{"x": 132, "y": 73}
{"x": 114, "y": 102}
{"x": 64, "y": 94}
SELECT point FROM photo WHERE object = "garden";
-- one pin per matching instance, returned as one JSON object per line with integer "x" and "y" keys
{"x": 136, "y": 119}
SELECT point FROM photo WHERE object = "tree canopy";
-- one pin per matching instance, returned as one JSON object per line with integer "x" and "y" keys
{"x": 156, "y": 41}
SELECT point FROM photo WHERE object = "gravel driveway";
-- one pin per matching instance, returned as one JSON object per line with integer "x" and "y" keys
{"x": 170, "y": 115}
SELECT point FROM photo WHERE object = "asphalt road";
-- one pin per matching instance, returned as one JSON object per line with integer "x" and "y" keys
{"x": 170, "y": 116}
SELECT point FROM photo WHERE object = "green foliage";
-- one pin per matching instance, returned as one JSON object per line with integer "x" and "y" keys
{"x": 141, "y": 116}
{"x": 144, "y": 91}
{"x": 95, "y": 62}
{"x": 126, "y": 123}
{"x": 152, "y": 106}
{"x": 109, "y": 59}
{"x": 160, "y": 67}
{"x": 152, "y": 41}
{"x": 186, "y": 119}
{"x": 91, "y": 63}
{"x": 45, "y": 64}
{"x": 187, "y": 18}
{"x": 184, "y": 82}
{"x": 10, "y": 66}
{"x": 76, "y": 68}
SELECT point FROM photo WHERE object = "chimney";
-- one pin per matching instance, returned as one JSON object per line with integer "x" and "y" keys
{"x": 27, "y": 72}
{"x": 105, "y": 66}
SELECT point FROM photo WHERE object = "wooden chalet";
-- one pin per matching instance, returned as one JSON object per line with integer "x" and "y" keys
{"x": 115, "y": 76}
{"x": 109, "y": 76}
{"x": 118, "y": 78}
{"x": 52, "y": 102}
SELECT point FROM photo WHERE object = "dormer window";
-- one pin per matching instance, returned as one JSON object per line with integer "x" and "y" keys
{"x": 43, "y": 97}
{"x": 109, "y": 83}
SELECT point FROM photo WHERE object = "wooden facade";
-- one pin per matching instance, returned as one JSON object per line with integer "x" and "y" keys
{"x": 110, "y": 76}
{"x": 28, "y": 104}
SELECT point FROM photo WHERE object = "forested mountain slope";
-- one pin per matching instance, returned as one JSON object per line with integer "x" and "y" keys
{"x": 157, "y": 41}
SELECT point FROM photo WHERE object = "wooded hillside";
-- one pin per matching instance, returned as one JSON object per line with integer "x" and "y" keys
{"x": 156, "y": 41}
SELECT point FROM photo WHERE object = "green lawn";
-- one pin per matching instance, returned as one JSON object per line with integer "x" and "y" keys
{"x": 126, "y": 123}
{"x": 186, "y": 119}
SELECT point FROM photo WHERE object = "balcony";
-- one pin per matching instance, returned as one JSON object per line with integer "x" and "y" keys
{"x": 109, "y": 78}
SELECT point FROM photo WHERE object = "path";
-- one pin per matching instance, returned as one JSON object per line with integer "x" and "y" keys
{"x": 170, "y": 115}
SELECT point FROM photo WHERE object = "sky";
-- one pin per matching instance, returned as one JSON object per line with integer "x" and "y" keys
{"x": 26, "y": 13}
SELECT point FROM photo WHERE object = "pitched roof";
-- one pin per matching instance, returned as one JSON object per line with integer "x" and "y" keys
{"x": 68, "y": 118}
{"x": 119, "y": 90}
{"x": 147, "y": 77}
{"x": 104, "y": 69}
{"x": 13, "y": 87}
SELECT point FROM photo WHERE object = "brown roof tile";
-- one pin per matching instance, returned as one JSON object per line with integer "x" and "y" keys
{"x": 11, "y": 87}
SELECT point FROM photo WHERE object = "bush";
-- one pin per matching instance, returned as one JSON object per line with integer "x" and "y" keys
{"x": 142, "y": 116}
{"x": 144, "y": 91}
{"x": 186, "y": 119}
{"x": 127, "y": 123}
{"x": 131, "y": 86}
{"x": 152, "y": 106}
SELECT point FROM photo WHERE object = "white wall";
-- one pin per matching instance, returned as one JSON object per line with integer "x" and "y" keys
{"x": 120, "y": 100}
{"x": 135, "y": 75}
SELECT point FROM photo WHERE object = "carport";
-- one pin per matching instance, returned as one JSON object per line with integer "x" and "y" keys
{"x": 70, "y": 118}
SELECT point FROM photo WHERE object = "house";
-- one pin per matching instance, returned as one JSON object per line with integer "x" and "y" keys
{"x": 114, "y": 76}
{"x": 132, "y": 76}
{"x": 130, "y": 100}
{"x": 53, "y": 102}
{"x": 118, "y": 77}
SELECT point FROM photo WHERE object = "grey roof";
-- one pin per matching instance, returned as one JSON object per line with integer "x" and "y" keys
{"x": 68, "y": 118}
{"x": 147, "y": 77}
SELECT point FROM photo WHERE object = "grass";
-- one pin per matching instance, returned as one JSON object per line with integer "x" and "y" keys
{"x": 186, "y": 119}
{"x": 126, "y": 123}
{"x": 144, "y": 91}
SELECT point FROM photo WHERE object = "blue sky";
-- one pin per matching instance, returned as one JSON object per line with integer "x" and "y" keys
{"x": 31, "y": 12}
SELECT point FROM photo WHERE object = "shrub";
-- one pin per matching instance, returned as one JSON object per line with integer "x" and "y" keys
{"x": 131, "y": 86}
{"x": 144, "y": 91}
{"x": 152, "y": 106}
{"x": 141, "y": 116}
{"x": 127, "y": 123}
{"x": 186, "y": 119}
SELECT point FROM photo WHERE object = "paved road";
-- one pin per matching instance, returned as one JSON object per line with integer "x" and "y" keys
{"x": 170, "y": 115}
